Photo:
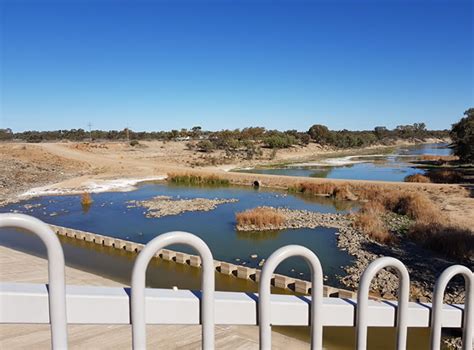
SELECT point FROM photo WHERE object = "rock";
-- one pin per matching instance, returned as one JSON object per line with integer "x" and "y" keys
{"x": 254, "y": 256}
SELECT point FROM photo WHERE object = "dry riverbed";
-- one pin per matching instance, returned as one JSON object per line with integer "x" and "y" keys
{"x": 25, "y": 166}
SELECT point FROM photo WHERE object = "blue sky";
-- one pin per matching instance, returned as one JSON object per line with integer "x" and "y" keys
{"x": 160, "y": 65}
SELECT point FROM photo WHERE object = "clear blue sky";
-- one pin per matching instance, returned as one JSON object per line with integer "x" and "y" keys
{"x": 159, "y": 65}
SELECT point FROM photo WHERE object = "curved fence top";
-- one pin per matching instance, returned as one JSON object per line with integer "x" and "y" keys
{"x": 363, "y": 296}
{"x": 56, "y": 279}
{"x": 438, "y": 296}
{"x": 57, "y": 296}
{"x": 316, "y": 294}
{"x": 138, "y": 285}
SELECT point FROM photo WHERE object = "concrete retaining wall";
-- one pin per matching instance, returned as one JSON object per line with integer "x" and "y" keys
{"x": 243, "y": 272}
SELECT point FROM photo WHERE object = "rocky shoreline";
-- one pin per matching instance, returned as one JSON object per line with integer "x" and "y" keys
{"x": 166, "y": 206}
{"x": 423, "y": 265}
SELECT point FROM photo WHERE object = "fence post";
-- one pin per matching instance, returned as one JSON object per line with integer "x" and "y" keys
{"x": 138, "y": 286}
{"x": 363, "y": 296}
{"x": 437, "y": 310}
{"x": 56, "y": 279}
{"x": 316, "y": 294}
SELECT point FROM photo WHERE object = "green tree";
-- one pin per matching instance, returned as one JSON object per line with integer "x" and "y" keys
{"x": 462, "y": 134}
{"x": 321, "y": 134}
{"x": 196, "y": 132}
{"x": 381, "y": 132}
{"x": 6, "y": 134}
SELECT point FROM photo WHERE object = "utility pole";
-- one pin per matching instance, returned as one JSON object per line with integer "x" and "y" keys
{"x": 127, "y": 132}
{"x": 90, "y": 131}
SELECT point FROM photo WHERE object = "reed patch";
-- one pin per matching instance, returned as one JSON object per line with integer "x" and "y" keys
{"x": 86, "y": 199}
{"x": 260, "y": 217}
{"x": 370, "y": 220}
{"x": 197, "y": 180}
{"x": 417, "y": 178}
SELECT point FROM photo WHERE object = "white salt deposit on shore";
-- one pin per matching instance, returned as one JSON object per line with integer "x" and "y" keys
{"x": 95, "y": 186}
{"x": 340, "y": 161}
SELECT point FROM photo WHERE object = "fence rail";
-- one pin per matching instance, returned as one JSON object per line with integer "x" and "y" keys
{"x": 58, "y": 304}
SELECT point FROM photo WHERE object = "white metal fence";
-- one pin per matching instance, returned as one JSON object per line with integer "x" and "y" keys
{"x": 58, "y": 304}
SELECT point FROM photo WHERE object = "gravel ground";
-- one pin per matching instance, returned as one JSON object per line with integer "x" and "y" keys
{"x": 165, "y": 206}
{"x": 17, "y": 176}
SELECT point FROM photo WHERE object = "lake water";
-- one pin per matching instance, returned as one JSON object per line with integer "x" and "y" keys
{"x": 384, "y": 167}
{"x": 109, "y": 215}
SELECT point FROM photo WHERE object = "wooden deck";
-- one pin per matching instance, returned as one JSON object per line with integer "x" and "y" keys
{"x": 16, "y": 266}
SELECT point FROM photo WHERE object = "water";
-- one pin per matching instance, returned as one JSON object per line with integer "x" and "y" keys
{"x": 110, "y": 216}
{"x": 388, "y": 167}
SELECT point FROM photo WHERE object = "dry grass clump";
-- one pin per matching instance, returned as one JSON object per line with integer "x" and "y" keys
{"x": 260, "y": 217}
{"x": 435, "y": 158}
{"x": 86, "y": 199}
{"x": 368, "y": 191}
{"x": 338, "y": 191}
{"x": 370, "y": 221}
{"x": 417, "y": 178}
{"x": 444, "y": 238}
{"x": 431, "y": 227}
{"x": 417, "y": 207}
{"x": 343, "y": 192}
{"x": 445, "y": 176}
{"x": 323, "y": 188}
{"x": 197, "y": 180}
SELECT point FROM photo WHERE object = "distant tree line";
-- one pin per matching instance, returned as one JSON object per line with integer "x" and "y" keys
{"x": 246, "y": 140}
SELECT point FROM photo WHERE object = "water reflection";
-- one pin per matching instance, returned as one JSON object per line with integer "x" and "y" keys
{"x": 384, "y": 167}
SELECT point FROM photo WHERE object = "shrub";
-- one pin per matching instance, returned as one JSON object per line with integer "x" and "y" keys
{"x": 134, "y": 143}
{"x": 447, "y": 239}
{"x": 188, "y": 179}
{"x": 205, "y": 146}
{"x": 417, "y": 178}
{"x": 260, "y": 217}
{"x": 34, "y": 138}
{"x": 279, "y": 140}
{"x": 445, "y": 176}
